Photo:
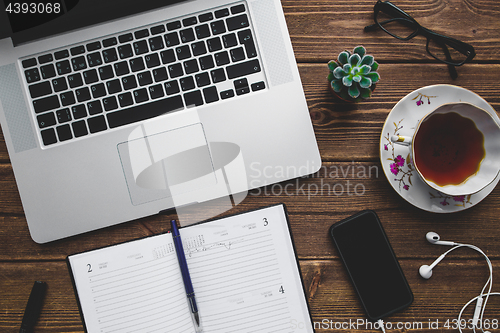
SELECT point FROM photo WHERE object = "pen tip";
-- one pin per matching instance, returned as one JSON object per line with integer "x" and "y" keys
{"x": 197, "y": 318}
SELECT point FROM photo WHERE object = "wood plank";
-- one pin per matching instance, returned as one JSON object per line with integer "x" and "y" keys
{"x": 321, "y": 29}
{"x": 329, "y": 293}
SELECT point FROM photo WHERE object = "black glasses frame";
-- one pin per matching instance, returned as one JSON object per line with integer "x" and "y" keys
{"x": 400, "y": 16}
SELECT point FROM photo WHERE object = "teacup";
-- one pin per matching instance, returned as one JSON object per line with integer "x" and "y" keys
{"x": 455, "y": 148}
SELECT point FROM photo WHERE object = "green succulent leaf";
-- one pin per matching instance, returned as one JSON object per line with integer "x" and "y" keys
{"x": 360, "y": 50}
{"x": 339, "y": 72}
{"x": 347, "y": 69}
{"x": 354, "y": 59}
{"x": 332, "y": 64}
{"x": 347, "y": 81}
{"x": 365, "y": 69}
{"x": 337, "y": 85}
{"x": 354, "y": 91}
{"x": 367, "y": 60}
{"x": 357, "y": 78}
{"x": 374, "y": 66}
{"x": 343, "y": 57}
{"x": 365, "y": 82}
{"x": 374, "y": 76}
{"x": 366, "y": 93}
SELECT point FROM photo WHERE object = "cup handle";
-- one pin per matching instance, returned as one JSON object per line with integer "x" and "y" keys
{"x": 402, "y": 140}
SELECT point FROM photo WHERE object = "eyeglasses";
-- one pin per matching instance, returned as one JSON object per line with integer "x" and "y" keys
{"x": 400, "y": 25}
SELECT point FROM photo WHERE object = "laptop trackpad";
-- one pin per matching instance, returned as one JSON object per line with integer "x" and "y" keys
{"x": 166, "y": 164}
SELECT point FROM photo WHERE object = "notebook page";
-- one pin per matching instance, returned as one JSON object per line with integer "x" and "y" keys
{"x": 132, "y": 287}
{"x": 245, "y": 274}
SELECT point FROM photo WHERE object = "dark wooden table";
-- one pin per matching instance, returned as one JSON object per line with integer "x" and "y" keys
{"x": 348, "y": 135}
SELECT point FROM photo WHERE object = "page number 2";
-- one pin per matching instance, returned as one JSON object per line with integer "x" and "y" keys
{"x": 89, "y": 268}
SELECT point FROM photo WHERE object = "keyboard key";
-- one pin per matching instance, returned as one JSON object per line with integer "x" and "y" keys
{"x": 141, "y": 95}
{"x": 106, "y": 72}
{"x": 61, "y": 54}
{"x": 145, "y": 111}
{"x": 125, "y": 99}
{"x": 113, "y": 86}
{"x": 198, "y": 48}
{"x": 152, "y": 60}
{"x": 77, "y": 50}
{"x": 125, "y": 38}
{"x": 32, "y": 75}
{"x": 129, "y": 82}
{"x": 206, "y": 62}
{"x": 48, "y": 71}
{"x": 187, "y": 35}
{"x": 189, "y": 21}
{"x": 109, "y": 55}
{"x": 97, "y": 124}
{"x": 237, "y": 54}
{"x": 156, "y": 43}
{"x": 171, "y": 39}
{"x": 191, "y": 66}
{"x": 210, "y": 94}
{"x": 227, "y": 94}
{"x": 98, "y": 90}
{"x": 109, "y": 42}
{"x": 205, "y": 17}
{"x": 79, "y": 111}
{"x": 90, "y": 76}
{"x": 222, "y": 13}
{"x": 174, "y": 25}
{"x": 29, "y": 63}
{"x": 136, "y": 64}
{"x": 258, "y": 86}
{"x": 63, "y": 116}
{"x": 160, "y": 74}
{"x": 187, "y": 83}
{"x": 94, "y": 59}
{"x": 193, "y": 99}
{"x": 59, "y": 84}
{"x": 144, "y": 78}
{"x": 241, "y": 91}
{"x": 172, "y": 87}
{"x": 222, "y": 58}
{"x": 183, "y": 52}
{"x": 93, "y": 46}
{"x": 75, "y": 80}
{"x": 240, "y": 83}
{"x": 214, "y": 44}
{"x": 46, "y": 120}
{"x": 48, "y": 136}
{"x": 125, "y": 51}
{"x": 167, "y": 56}
{"x": 141, "y": 33}
{"x": 45, "y": 58}
{"x": 79, "y": 128}
{"x": 110, "y": 103}
{"x": 94, "y": 107}
{"x": 218, "y": 27}
{"x": 243, "y": 69}
{"x": 40, "y": 89}
{"x": 229, "y": 40}
{"x": 237, "y": 9}
{"x": 237, "y": 22}
{"x": 245, "y": 38}
{"x": 202, "y": 79}
{"x": 79, "y": 63}
{"x": 121, "y": 68}
{"x": 175, "y": 70}
{"x": 156, "y": 91}
{"x": 67, "y": 98}
{"x": 82, "y": 94}
{"x": 46, "y": 104}
{"x": 141, "y": 47}
{"x": 218, "y": 75}
{"x": 158, "y": 29}
{"x": 64, "y": 132}
{"x": 63, "y": 67}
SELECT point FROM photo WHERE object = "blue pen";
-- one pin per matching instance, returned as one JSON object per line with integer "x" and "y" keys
{"x": 185, "y": 275}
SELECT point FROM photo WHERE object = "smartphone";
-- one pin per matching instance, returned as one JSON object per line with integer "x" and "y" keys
{"x": 371, "y": 264}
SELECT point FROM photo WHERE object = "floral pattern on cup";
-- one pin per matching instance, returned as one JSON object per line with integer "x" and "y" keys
{"x": 460, "y": 200}
{"x": 420, "y": 102}
{"x": 400, "y": 166}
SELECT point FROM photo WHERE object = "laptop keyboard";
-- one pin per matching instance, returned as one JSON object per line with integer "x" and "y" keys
{"x": 140, "y": 74}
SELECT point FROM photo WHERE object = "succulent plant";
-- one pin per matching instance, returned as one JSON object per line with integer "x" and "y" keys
{"x": 353, "y": 76}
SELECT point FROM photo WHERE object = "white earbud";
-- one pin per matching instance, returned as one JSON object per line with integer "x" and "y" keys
{"x": 426, "y": 270}
{"x": 434, "y": 238}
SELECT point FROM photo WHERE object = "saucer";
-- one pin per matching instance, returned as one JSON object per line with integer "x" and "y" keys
{"x": 395, "y": 159}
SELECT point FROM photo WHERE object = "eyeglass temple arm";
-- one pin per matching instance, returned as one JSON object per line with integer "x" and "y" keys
{"x": 451, "y": 68}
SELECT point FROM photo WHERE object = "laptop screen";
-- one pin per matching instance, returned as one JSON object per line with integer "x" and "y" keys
{"x": 40, "y": 19}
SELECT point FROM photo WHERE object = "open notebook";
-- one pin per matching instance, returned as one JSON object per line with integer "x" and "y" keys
{"x": 244, "y": 271}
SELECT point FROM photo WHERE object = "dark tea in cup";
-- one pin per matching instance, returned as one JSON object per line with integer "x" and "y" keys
{"x": 448, "y": 148}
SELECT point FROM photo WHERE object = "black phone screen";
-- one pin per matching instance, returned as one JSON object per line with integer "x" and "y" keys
{"x": 372, "y": 265}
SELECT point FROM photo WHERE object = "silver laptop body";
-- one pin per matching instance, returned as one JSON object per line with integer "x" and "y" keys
{"x": 79, "y": 168}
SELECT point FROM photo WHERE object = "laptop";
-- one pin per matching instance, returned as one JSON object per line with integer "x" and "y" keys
{"x": 112, "y": 112}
